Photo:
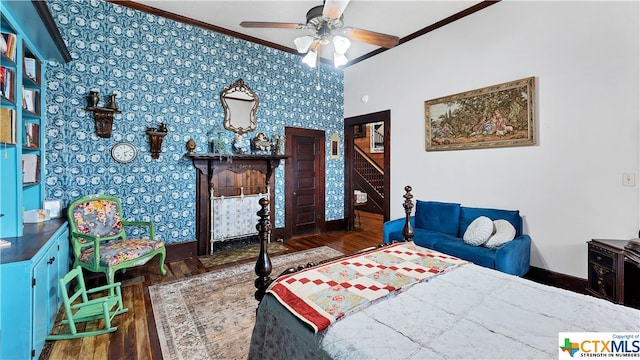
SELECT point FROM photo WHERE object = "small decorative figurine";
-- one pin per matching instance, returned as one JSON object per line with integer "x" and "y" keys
{"x": 191, "y": 146}
{"x": 260, "y": 143}
{"x": 278, "y": 145}
{"x": 239, "y": 145}
{"x": 162, "y": 127}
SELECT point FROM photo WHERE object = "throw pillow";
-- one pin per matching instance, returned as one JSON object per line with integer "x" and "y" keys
{"x": 478, "y": 231}
{"x": 505, "y": 232}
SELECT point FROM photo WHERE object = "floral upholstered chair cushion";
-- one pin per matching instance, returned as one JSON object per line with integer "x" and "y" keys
{"x": 115, "y": 252}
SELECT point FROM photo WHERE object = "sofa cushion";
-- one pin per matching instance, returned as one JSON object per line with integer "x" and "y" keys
{"x": 505, "y": 232}
{"x": 428, "y": 238}
{"x": 468, "y": 214}
{"x": 438, "y": 216}
{"x": 478, "y": 255}
{"x": 479, "y": 231}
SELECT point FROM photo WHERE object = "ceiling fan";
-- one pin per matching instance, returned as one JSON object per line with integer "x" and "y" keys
{"x": 326, "y": 25}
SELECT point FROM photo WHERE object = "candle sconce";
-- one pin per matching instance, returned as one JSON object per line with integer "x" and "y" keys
{"x": 102, "y": 115}
{"x": 155, "y": 138}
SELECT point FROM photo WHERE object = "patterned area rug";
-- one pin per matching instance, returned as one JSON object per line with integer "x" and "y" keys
{"x": 211, "y": 316}
{"x": 247, "y": 252}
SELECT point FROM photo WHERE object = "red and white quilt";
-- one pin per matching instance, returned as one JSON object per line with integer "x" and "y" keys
{"x": 321, "y": 295}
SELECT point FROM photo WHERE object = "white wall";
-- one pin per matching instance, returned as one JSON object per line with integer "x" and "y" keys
{"x": 585, "y": 57}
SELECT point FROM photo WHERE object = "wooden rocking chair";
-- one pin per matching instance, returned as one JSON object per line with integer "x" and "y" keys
{"x": 86, "y": 309}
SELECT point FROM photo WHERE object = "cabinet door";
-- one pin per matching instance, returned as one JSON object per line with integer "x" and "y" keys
{"x": 41, "y": 298}
{"x": 602, "y": 273}
{"x": 602, "y": 281}
{"x": 60, "y": 270}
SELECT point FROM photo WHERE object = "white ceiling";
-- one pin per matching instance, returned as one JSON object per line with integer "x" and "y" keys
{"x": 399, "y": 18}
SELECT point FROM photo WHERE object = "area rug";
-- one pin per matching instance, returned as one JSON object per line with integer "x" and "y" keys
{"x": 233, "y": 255}
{"x": 211, "y": 316}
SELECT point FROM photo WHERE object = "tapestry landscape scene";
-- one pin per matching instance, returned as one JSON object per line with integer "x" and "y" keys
{"x": 499, "y": 115}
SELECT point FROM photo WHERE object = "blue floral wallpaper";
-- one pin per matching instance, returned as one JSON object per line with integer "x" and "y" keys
{"x": 164, "y": 71}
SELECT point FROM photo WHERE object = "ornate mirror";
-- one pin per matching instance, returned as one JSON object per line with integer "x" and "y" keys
{"x": 240, "y": 105}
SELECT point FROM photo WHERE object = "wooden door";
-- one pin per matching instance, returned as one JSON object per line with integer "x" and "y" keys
{"x": 304, "y": 181}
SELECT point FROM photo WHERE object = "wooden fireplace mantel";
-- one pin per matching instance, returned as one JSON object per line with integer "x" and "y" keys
{"x": 207, "y": 166}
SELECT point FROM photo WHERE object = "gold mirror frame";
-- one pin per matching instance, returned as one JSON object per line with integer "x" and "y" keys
{"x": 240, "y": 100}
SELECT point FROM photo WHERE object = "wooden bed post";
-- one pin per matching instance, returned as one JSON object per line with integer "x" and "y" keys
{"x": 407, "y": 230}
{"x": 263, "y": 264}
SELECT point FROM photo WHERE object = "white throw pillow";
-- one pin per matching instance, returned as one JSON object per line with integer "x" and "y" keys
{"x": 479, "y": 231}
{"x": 505, "y": 232}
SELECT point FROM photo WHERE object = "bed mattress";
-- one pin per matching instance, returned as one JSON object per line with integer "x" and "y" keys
{"x": 469, "y": 312}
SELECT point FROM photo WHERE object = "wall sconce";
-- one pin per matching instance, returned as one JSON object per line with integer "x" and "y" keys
{"x": 102, "y": 115}
{"x": 155, "y": 137}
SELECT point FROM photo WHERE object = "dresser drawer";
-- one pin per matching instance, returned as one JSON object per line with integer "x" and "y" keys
{"x": 602, "y": 257}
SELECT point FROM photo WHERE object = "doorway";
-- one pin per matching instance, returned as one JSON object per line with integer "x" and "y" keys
{"x": 376, "y": 128}
{"x": 304, "y": 182}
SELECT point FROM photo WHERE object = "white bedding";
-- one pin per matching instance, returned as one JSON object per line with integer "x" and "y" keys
{"x": 470, "y": 312}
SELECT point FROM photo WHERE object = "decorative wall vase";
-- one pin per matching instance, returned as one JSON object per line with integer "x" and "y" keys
{"x": 92, "y": 99}
{"x": 112, "y": 102}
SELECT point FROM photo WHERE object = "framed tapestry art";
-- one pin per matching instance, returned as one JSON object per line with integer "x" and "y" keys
{"x": 495, "y": 116}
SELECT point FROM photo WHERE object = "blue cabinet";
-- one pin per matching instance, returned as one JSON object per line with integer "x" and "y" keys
{"x": 29, "y": 275}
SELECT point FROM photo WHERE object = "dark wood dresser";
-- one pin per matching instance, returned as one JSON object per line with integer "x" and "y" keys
{"x": 613, "y": 273}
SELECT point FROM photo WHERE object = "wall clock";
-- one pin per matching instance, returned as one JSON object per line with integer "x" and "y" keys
{"x": 124, "y": 152}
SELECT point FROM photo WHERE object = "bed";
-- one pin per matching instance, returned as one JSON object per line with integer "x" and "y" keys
{"x": 453, "y": 309}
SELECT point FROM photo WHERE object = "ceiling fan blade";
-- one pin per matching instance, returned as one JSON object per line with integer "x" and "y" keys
{"x": 333, "y": 9}
{"x": 267, "y": 24}
{"x": 372, "y": 37}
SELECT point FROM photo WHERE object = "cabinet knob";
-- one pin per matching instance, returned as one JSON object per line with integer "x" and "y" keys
{"x": 51, "y": 260}
{"x": 599, "y": 258}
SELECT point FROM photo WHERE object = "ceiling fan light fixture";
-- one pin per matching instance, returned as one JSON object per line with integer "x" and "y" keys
{"x": 311, "y": 58}
{"x": 339, "y": 59}
{"x": 303, "y": 43}
{"x": 341, "y": 44}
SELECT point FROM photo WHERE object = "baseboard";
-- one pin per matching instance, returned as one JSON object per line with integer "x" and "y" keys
{"x": 182, "y": 250}
{"x": 552, "y": 278}
{"x": 336, "y": 225}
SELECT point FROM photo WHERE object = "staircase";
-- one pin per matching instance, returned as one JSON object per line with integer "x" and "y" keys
{"x": 368, "y": 177}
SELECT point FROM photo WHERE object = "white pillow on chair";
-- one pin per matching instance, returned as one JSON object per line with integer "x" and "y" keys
{"x": 479, "y": 231}
{"x": 505, "y": 232}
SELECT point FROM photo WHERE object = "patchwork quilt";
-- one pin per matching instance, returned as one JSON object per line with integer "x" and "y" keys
{"x": 320, "y": 296}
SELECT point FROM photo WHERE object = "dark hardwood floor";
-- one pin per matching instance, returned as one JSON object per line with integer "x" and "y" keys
{"x": 136, "y": 337}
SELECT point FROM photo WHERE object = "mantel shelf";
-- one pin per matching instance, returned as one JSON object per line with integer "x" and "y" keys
{"x": 224, "y": 157}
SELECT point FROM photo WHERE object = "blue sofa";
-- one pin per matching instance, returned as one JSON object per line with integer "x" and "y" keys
{"x": 441, "y": 226}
